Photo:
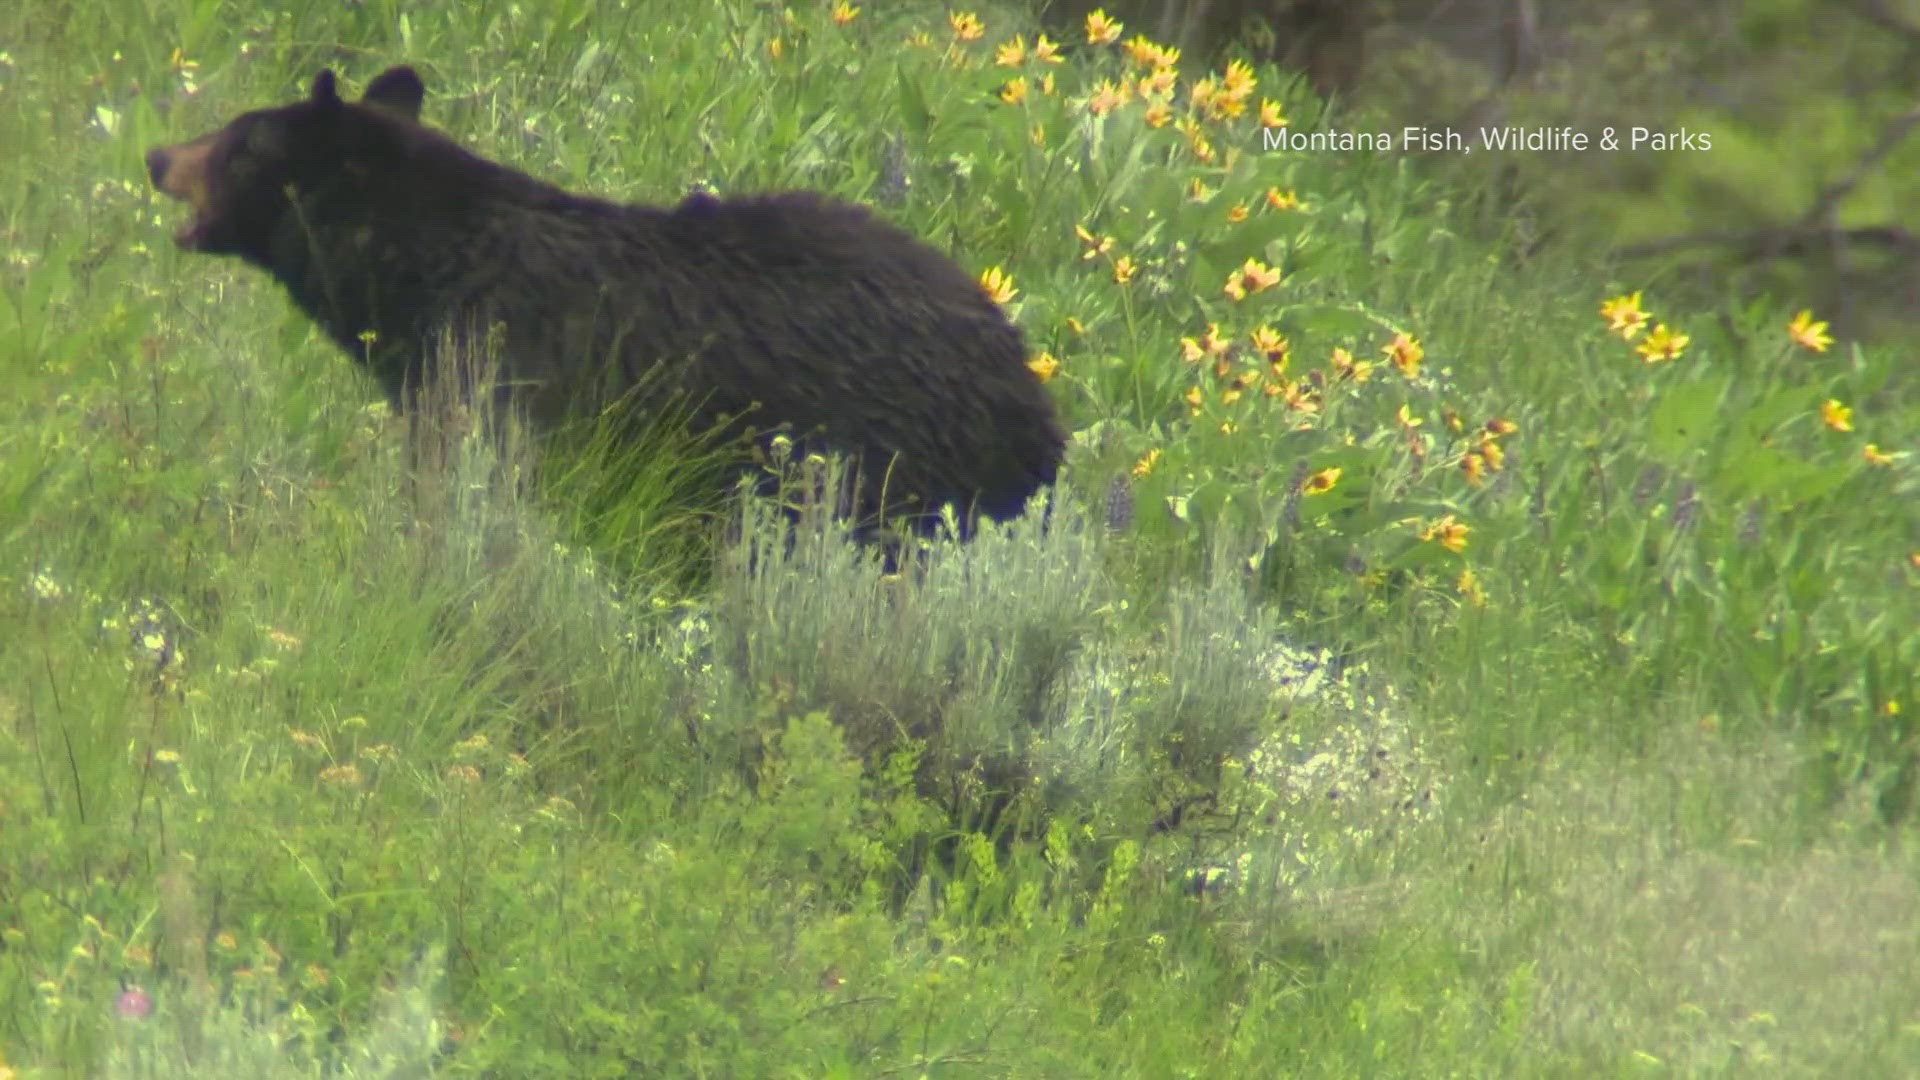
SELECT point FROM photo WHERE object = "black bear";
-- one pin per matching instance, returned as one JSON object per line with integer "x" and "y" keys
{"x": 786, "y": 312}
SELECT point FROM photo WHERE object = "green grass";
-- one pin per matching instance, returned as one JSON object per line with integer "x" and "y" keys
{"x": 358, "y": 764}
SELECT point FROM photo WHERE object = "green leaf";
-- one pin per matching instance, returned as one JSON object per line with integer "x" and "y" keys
{"x": 913, "y": 104}
{"x": 1684, "y": 417}
{"x": 1763, "y": 470}
{"x": 588, "y": 57}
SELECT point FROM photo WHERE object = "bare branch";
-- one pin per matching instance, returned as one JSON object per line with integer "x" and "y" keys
{"x": 1881, "y": 14}
{"x": 1890, "y": 139}
{"x": 1783, "y": 242}
{"x": 1814, "y": 230}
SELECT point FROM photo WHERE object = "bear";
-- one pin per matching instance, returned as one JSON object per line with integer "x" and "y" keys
{"x": 782, "y": 313}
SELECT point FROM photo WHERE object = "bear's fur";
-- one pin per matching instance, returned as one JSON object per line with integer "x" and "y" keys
{"x": 780, "y": 312}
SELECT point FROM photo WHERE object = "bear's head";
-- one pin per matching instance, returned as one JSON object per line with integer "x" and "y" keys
{"x": 243, "y": 180}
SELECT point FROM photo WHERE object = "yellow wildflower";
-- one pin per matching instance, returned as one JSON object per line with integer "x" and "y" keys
{"x": 1474, "y": 466}
{"x": 1492, "y": 451}
{"x": 1239, "y": 82}
{"x": 966, "y": 25}
{"x": 1406, "y": 354}
{"x": 1346, "y": 367}
{"x": 1252, "y": 277}
{"x": 1096, "y": 246}
{"x": 1624, "y": 316}
{"x": 1274, "y": 346}
{"x": 1664, "y": 343}
{"x": 1809, "y": 335}
{"x": 999, "y": 284}
{"x": 1101, "y": 30}
{"x": 1106, "y": 98}
{"x": 1448, "y": 533}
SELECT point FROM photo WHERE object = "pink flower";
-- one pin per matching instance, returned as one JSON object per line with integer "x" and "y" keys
{"x": 134, "y": 1003}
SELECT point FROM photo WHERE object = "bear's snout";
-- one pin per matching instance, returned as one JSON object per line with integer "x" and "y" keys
{"x": 157, "y": 160}
{"x": 180, "y": 172}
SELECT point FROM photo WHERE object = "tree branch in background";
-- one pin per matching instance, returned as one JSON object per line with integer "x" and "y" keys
{"x": 1881, "y": 14}
{"x": 1783, "y": 242}
{"x": 1814, "y": 230}
{"x": 1891, "y": 138}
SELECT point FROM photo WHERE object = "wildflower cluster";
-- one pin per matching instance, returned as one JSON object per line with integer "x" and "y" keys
{"x": 1229, "y": 373}
{"x": 1626, "y": 318}
{"x": 999, "y": 287}
{"x": 1152, "y": 78}
{"x": 1018, "y": 54}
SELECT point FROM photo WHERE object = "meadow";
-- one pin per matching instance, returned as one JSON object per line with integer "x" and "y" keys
{"x": 1446, "y": 656}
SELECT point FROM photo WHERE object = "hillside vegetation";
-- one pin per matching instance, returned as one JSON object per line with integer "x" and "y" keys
{"x": 1440, "y": 661}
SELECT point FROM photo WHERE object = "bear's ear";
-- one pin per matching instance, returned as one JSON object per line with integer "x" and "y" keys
{"x": 398, "y": 90}
{"x": 324, "y": 92}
